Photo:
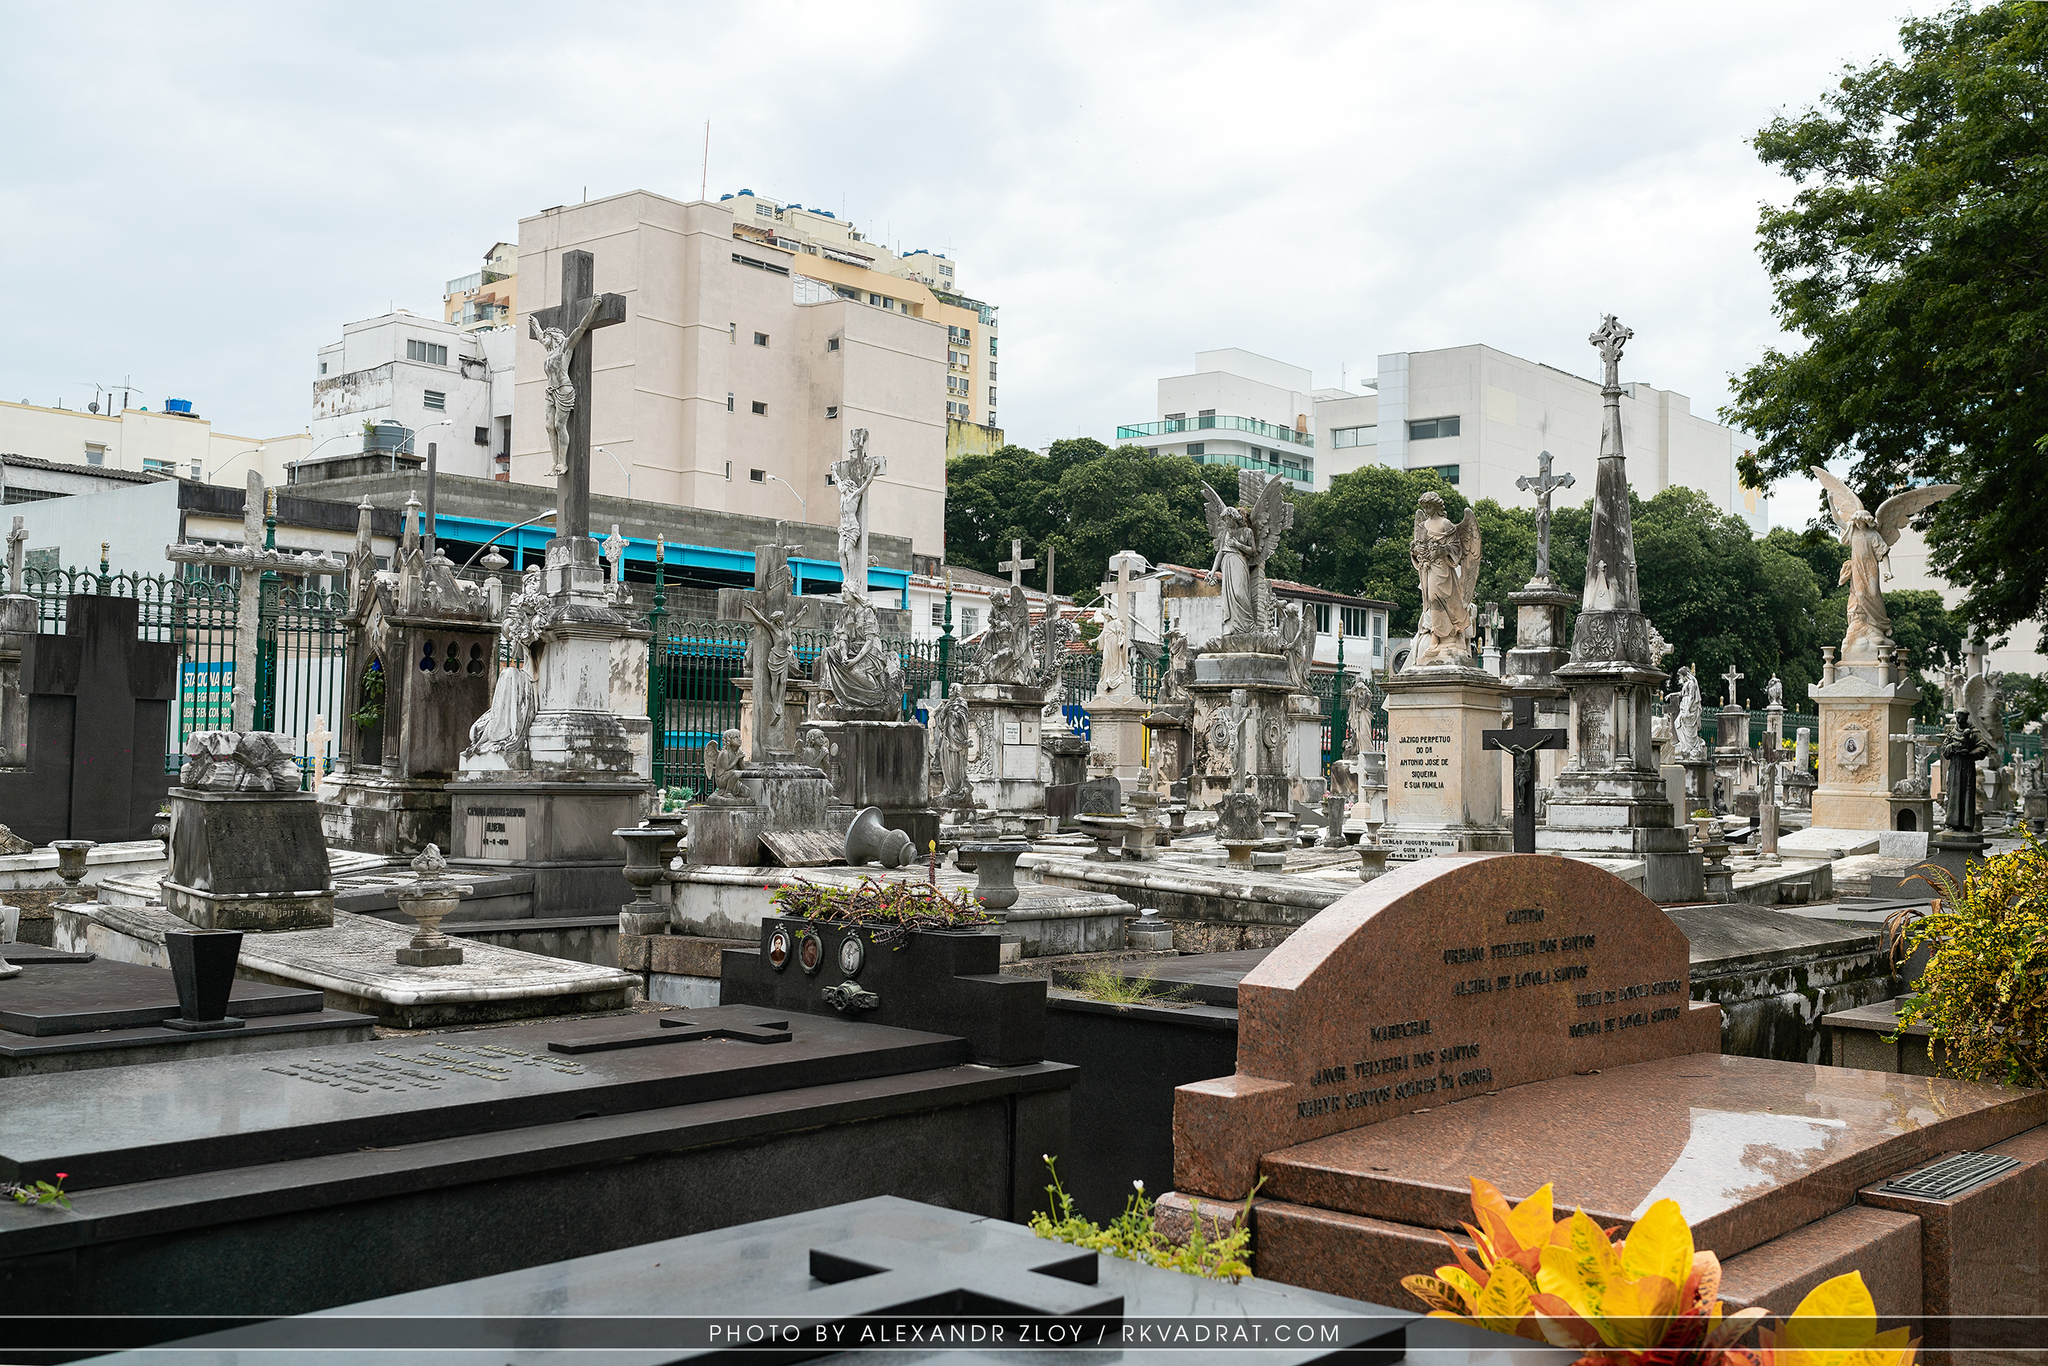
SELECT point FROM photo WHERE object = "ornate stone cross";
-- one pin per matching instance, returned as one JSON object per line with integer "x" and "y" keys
{"x": 1731, "y": 678}
{"x": 580, "y": 312}
{"x": 1120, "y": 595}
{"x": 1542, "y": 486}
{"x": 1016, "y": 564}
{"x": 15, "y": 541}
{"x": 1491, "y": 620}
{"x": 1522, "y": 740}
{"x": 1608, "y": 339}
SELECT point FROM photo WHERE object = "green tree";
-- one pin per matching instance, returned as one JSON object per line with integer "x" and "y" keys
{"x": 1913, "y": 261}
{"x": 1353, "y": 538}
{"x": 991, "y": 498}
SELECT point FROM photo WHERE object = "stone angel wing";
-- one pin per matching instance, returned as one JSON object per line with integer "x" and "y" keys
{"x": 1466, "y": 537}
{"x": 1842, "y": 500}
{"x": 1271, "y": 514}
{"x": 1894, "y": 512}
{"x": 1212, "y": 505}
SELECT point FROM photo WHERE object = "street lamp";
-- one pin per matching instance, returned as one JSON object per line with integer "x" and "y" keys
{"x": 800, "y": 500}
{"x": 432, "y": 452}
{"x": 625, "y": 470}
{"x": 224, "y": 463}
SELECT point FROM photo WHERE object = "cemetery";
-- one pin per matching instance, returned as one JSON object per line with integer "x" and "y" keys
{"x": 362, "y": 907}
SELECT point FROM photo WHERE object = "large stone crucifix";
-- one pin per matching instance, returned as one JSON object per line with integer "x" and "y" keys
{"x": 1731, "y": 678}
{"x": 1522, "y": 740}
{"x": 1016, "y": 564}
{"x": 855, "y": 475}
{"x": 564, "y": 334}
{"x": 251, "y": 561}
{"x": 1542, "y": 486}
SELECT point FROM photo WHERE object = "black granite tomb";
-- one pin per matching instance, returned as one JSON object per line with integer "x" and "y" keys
{"x": 99, "y": 705}
{"x": 302, "y": 1179}
{"x": 946, "y": 981}
{"x": 836, "y": 1278}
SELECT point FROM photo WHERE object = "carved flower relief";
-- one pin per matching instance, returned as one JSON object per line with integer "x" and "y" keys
{"x": 1274, "y": 732}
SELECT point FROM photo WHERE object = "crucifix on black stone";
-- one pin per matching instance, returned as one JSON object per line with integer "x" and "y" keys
{"x": 1522, "y": 740}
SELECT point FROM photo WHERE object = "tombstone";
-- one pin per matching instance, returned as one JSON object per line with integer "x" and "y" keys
{"x": 583, "y": 769}
{"x": 1004, "y": 691}
{"x": 1609, "y": 798}
{"x": 246, "y": 852}
{"x": 1066, "y": 757}
{"x": 1116, "y": 713}
{"x": 98, "y": 714}
{"x": 1526, "y": 1019}
{"x": 427, "y": 637}
{"x": 1102, "y": 795}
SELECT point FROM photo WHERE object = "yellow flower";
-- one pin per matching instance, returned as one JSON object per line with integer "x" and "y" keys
{"x": 1627, "y": 1294}
{"x": 1836, "y": 1325}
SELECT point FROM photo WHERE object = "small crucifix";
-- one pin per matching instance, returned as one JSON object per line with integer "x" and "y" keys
{"x": 1016, "y": 564}
{"x": 615, "y": 551}
{"x": 1542, "y": 486}
{"x": 564, "y": 334}
{"x": 1731, "y": 678}
{"x": 1522, "y": 740}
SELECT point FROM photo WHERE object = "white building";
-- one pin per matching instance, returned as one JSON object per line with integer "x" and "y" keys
{"x": 1237, "y": 408}
{"x": 174, "y": 442}
{"x": 1481, "y": 418}
{"x": 432, "y": 385}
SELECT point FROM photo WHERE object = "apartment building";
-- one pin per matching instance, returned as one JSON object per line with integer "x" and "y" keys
{"x": 487, "y": 297}
{"x": 1237, "y": 408}
{"x": 172, "y": 441}
{"x": 757, "y": 334}
{"x": 405, "y": 385}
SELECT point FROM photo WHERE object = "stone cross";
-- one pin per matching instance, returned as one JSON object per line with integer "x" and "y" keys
{"x": 1119, "y": 592}
{"x": 1731, "y": 678}
{"x": 855, "y": 475}
{"x": 615, "y": 551}
{"x": 1542, "y": 486}
{"x": 251, "y": 560}
{"x": 1016, "y": 564}
{"x": 1051, "y": 553}
{"x": 1234, "y": 716}
{"x": 580, "y": 307}
{"x": 316, "y": 745}
{"x": 1492, "y": 621}
{"x": 1522, "y": 740}
{"x": 15, "y": 541}
{"x": 1608, "y": 339}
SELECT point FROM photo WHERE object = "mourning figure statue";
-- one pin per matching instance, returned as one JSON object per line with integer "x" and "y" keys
{"x": 1870, "y": 539}
{"x": 1446, "y": 559}
{"x": 1691, "y": 744}
{"x": 1246, "y": 537}
{"x": 722, "y": 762}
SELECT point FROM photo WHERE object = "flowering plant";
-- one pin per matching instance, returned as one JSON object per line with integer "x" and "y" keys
{"x": 39, "y": 1193}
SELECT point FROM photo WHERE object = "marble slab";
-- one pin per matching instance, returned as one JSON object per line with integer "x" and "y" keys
{"x": 53, "y": 997}
{"x": 1828, "y": 842}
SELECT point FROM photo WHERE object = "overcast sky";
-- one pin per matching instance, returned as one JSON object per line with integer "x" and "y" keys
{"x": 200, "y": 199}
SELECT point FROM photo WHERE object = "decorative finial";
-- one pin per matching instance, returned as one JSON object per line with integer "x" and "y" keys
{"x": 1609, "y": 338}
{"x": 429, "y": 862}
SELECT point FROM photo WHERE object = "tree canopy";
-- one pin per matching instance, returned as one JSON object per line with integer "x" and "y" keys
{"x": 1911, "y": 258}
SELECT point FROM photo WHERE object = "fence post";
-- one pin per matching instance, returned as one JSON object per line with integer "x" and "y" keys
{"x": 1338, "y": 718}
{"x": 265, "y": 716}
{"x": 104, "y": 583}
{"x": 657, "y": 700}
{"x": 946, "y": 641}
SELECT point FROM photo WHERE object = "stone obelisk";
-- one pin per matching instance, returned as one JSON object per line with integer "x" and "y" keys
{"x": 1610, "y": 799}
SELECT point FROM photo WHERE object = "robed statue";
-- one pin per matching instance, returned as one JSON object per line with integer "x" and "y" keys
{"x": 1246, "y": 537}
{"x": 1870, "y": 539}
{"x": 1686, "y": 729}
{"x": 1446, "y": 559}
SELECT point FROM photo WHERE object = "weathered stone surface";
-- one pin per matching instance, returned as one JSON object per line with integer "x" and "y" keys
{"x": 248, "y": 861}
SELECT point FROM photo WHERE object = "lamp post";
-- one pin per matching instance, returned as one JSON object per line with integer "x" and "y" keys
{"x": 627, "y": 471}
{"x": 433, "y": 453}
{"x": 800, "y": 500}
{"x": 227, "y": 460}
{"x": 507, "y": 531}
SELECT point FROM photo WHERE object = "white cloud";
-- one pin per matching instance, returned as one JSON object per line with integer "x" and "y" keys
{"x": 200, "y": 198}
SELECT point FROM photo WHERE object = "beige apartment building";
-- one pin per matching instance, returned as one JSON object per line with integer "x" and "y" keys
{"x": 747, "y": 353}
{"x": 182, "y": 444}
{"x": 488, "y": 297}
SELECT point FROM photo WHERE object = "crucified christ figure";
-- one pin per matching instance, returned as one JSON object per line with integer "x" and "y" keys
{"x": 560, "y": 347}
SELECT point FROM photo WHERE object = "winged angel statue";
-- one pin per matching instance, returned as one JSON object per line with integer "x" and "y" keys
{"x": 1870, "y": 539}
{"x": 1446, "y": 556}
{"x": 1246, "y": 537}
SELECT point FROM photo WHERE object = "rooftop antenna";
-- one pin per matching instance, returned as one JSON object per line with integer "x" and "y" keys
{"x": 704, "y": 184}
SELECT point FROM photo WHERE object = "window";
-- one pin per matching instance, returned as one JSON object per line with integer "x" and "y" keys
{"x": 945, "y": 270}
{"x": 427, "y": 352}
{"x": 955, "y": 384}
{"x": 1355, "y": 436}
{"x": 95, "y": 455}
{"x": 1432, "y": 427}
{"x": 991, "y": 417}
{"x": 765, "y": 210}
{"x": 1449, "y": 472}
{"x": 831, "y": 343}
{"x": 991, "y": 369}
{"x": 436, "y": 400}
{"x": 1173, "y": 417}
{"x": 760, "y": 339}
{"x": 1322, "y": 618}
{"x": 991, "y": 346}
{"x": 939, "y": 614}
{"x": 958, "y": 410}
{"x": 1357, "y": 621}
{"x": 159, "y": 466}
{"x": 758, "y": 476}
{"x": 759, "y": 408}
{"x": 1379, "y": 635}
{"x": 991, "y": 393}
{"x": 1206, "y": 412}
{"x": 323, "y": 367}
{"x": 970, "y": 620}
{"x": 728, "y": 401}
{"x": 483, "y": 436}
{"x": 831, "y": 410}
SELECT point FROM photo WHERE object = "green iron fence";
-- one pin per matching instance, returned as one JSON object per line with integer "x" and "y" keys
{"x": 301, "y": 664}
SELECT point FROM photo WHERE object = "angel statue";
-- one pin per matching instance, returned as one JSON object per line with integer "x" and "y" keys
{"x": 1687, "y": 728}
{"x": 561, "y": 390}
{"x": 1870, "y": 539}
{"x": 865, "y": 678}
{"x": 1246, "y": 537}
{"x": 1446, "y": 556}
{"x": 722, "y": 767}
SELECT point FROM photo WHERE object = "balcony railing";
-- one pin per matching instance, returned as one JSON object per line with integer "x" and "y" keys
{"x": 1220, "y": 424}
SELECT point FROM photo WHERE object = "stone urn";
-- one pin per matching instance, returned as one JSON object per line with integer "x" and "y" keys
{"x": 428, "y": 899}
{"x": 1372, "y": 854}
{"x": 644, "y": 868}
{"x": 995, "y": 871}
{"x": 71, "y": 866}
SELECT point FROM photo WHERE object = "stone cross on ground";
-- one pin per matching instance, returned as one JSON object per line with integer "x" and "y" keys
{"x": 581, "y": 311}
{"x": 1731, "y": 678}
{"x": 1542, "y": 486}
{"x": 1522, "y": 740}
{"x": 251, "y": 560}
{"x": 1234, "y": 716}
{"x": 1016, "y": 564}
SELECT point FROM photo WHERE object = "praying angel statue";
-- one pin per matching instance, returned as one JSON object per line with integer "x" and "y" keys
{"x": 560, "y": 391}
{"x": 1870, "y": 539}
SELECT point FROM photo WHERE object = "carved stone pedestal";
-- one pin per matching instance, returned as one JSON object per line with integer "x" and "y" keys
{"x": 881, "y": 764}
{"x": 1860, "y": 710}
{"x": 1268, "y": 735}
{"x": 1003, "y": 760}
{"x": 248, "y": 861}
{"x": 1443, "y": 787}
{"x": 1116, "y": 726}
